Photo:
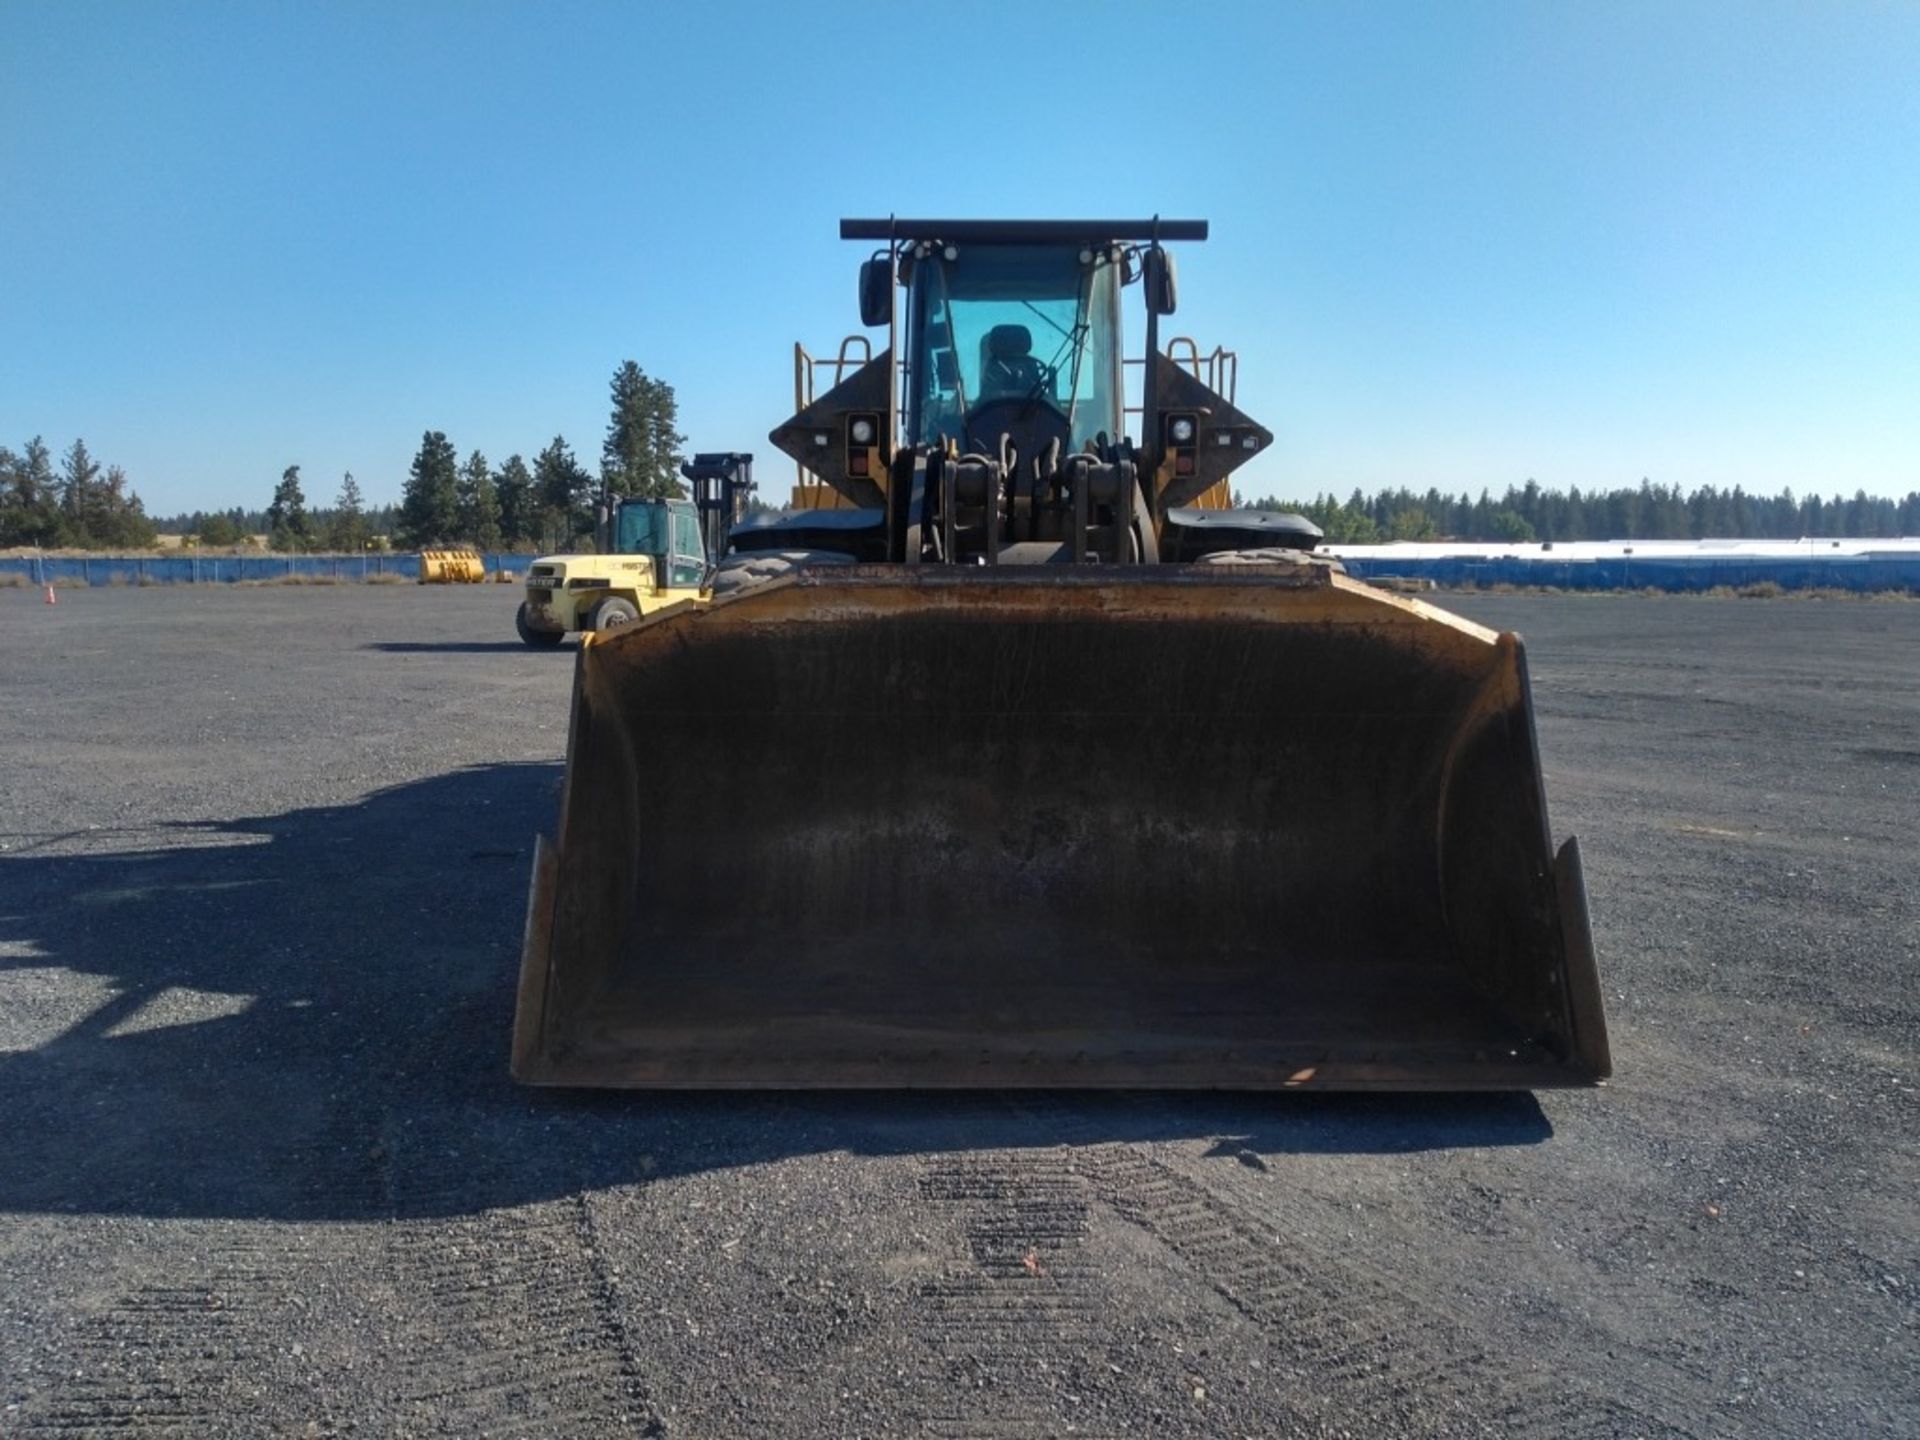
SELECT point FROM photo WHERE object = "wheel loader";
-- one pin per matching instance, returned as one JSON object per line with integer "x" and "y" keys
{"x": 1032, "y": 760}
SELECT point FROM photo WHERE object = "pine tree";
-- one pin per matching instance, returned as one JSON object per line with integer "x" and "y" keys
{"x": 288, "y": 526}
{"x": 79, "y": 472}
{"x": 98, "y": 506}
{"x": 1508, "y": 525}
{"x": 10, "y": 466}
{"x": 623, "y": 454}
{"x": 349, "y": 531}
{"x": 1576, "y": 526}
{"x": 663, "y": 442}
{"x": 220, "y": 530}
{"x": 29, "y": 502}
{"x": 479, "y": 503}
{"x": 519, "y": 521}
{"x": 1411, "y": 523}
{"x": 563, "y": 491}
{"x": 641, "y": 454}
{"x": 41, "y": 486}
{"x": 430, "y": 504}
{"x": 117, "y": 519}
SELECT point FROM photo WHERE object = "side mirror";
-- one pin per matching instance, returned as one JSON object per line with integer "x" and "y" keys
{"x": 1163, "y": 282}
{"x": 876, "y": 291}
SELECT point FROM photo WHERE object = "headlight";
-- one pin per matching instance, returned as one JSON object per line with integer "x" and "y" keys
{"x": 1181, "y": 430}
{"x": 862, "y": 431}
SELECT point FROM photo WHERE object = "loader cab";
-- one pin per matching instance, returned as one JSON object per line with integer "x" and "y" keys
{"x": 994, "y": 427}
{"x": 1021, "y": 339}
{"x": 669, "y": 532}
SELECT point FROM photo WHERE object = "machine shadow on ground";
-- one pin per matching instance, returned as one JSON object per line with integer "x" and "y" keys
{"x": 459, "y": 647}
{"x": 306, "y": 1016}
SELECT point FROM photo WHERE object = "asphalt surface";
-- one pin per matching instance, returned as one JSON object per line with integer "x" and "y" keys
{"x": 262, "y": 1172}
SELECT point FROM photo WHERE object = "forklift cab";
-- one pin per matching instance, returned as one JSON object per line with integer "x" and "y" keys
{"x": 669, "y": 532}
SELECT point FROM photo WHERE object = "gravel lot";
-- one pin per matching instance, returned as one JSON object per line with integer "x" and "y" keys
{"x": 262, "y": 867}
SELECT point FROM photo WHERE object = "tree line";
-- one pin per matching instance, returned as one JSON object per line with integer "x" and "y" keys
{"x": 78, "y": 504}
{"x": 554, "y": 503}
{"x": 238, "y": 525}
{"x": 1530, "y": 512}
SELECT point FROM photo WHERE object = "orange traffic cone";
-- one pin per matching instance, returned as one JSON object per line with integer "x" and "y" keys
{"x": 50, "y": 599}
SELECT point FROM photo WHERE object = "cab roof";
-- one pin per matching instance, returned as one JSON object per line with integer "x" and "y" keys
{"x": 1023, "y": 232}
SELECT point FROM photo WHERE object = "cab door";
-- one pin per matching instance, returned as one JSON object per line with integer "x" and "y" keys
{"x": 687, "y": 558}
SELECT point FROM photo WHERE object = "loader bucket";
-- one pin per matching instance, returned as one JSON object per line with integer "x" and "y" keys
{"x": 1215, "y": 826}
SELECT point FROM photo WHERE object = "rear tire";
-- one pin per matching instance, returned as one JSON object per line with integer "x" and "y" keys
{"x": 611, "y": 613}
{"x": 757, "y": 567}
{"x": 538, "y": 639}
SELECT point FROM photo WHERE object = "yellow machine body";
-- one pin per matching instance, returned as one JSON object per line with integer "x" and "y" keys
{"x": 564, "y": 591}
{"x": 650, "y": 555}
{"x": 459, "y": 566}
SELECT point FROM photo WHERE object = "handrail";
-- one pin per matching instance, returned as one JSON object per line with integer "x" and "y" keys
{"x": 1218, "y": 369}
{"x": 807, "y": 365}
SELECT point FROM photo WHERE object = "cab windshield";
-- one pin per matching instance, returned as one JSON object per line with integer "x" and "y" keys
{"x": 643, "y": 528}
{"x": 1016, "y": 322}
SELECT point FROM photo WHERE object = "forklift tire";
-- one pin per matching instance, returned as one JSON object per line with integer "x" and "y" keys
{"x": 538, "y": 639}
{"x": 611, "y": 613}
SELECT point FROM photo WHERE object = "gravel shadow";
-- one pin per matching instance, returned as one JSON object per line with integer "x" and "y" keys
{"x": 306, "y": 1015}
{"x": 455, "y": 647}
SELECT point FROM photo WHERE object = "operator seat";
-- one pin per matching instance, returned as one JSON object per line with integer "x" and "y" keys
{"x": 1007, "y": 366}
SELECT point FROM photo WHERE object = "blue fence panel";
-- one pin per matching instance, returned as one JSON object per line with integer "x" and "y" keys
{"x": 187, "y": 568}
{"x": 1680, "y": 574}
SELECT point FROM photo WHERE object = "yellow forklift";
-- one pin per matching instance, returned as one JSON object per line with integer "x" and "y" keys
{"x": 662, "y": 553}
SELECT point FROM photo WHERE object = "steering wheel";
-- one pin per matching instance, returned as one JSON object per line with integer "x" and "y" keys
{"x": 1020, "y": 375}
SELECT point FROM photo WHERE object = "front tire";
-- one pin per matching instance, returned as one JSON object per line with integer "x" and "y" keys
{"x": 611, "y": 613}
{"x": 538, "y": 639}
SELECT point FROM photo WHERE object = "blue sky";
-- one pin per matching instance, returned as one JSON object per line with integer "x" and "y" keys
{"x": 1457, "y": 244}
